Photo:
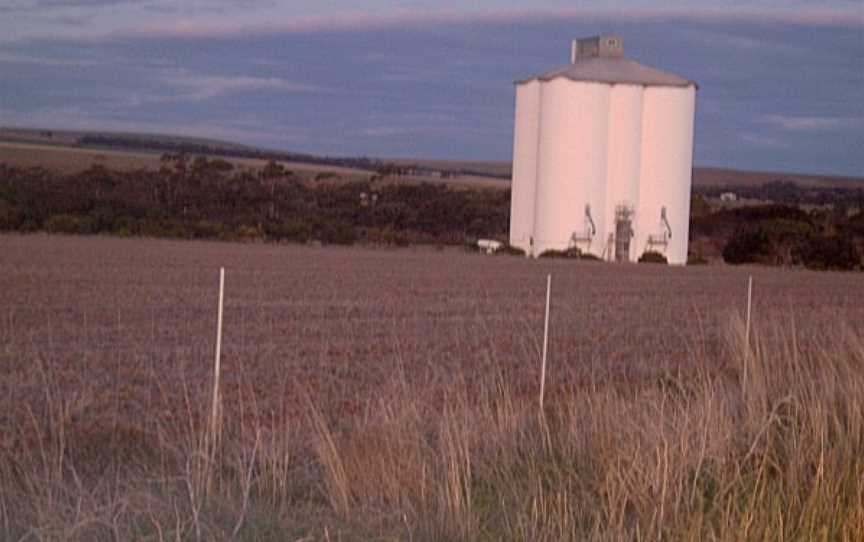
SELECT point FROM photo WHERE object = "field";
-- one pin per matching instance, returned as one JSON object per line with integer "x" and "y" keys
{"x": 72, "y": 160}
{"x": 392, "y": 394}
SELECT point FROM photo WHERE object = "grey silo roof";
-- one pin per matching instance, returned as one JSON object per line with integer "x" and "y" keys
{"x": 613, "y": 71}
{"x": 601, "y": 59}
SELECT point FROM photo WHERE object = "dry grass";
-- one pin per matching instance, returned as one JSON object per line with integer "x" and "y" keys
{"x": 382, "y": 394}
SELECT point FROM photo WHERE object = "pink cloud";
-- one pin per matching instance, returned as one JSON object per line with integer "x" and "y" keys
{"x": 372, "y": 21}
{"x": 270, "y": 23}
{"x": 805, "y": 123}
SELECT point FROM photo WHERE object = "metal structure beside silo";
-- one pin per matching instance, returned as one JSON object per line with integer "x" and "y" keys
{"x": 602, "y": 157}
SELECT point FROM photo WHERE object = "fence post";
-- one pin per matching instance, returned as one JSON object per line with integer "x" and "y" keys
{"x": 215, "y": 413}
{"x": 747, "y": 327}
{"x": 545, "y": 340}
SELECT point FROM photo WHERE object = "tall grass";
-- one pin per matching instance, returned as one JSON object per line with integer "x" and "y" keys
{"x": 697, "y": 453}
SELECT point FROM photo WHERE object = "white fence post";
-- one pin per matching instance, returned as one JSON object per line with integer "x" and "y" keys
{"x": 215, "y": 411}
{"x": 545, "y": 340}
{"x": 747, "y": 327}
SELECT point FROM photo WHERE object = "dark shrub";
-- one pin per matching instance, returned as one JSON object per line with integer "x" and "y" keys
{"x": 10, "y": 217}
{"x": 572, "y": 253}
{"x": 206, "y": 229}
{"x": 509, "y": 250}
{"x": 287, "y": 230}
{"x": 834, "y": 252}
{"x": 395, "y": 237}
{"x": 248, "y": 233}
{"x": 747, "y": 245}
{"x": 696, "y": 259}
{"x": 338, "y": 233}
{"x": 66, "y": 224}
{"x": 652, "y": 256}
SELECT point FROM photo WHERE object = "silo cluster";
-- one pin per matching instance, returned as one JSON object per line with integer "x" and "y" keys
{"x": 602, "y": 157}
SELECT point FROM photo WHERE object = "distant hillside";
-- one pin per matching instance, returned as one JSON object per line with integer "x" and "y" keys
{"x": 161, "y": 143}
{"x": 703, "y": 177}
{"x": 709, "y": 176}
{"x": 74, "y": 137}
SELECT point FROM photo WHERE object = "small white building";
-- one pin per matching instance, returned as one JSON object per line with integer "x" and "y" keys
{"x": 489, "y": 246}
{"x": 603, "y": 157}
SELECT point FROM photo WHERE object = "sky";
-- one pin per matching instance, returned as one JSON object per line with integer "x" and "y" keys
{"x": 781, "y": 83}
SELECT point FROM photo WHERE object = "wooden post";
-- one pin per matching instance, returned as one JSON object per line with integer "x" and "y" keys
{"x": 545, "y": 340}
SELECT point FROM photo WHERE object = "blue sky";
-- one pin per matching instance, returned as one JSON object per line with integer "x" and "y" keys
{"x": 781, "y": 83}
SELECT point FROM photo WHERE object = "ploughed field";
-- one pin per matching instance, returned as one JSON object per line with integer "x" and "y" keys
{"x": 103, "y": 337}
{"x": 128, "y": 316}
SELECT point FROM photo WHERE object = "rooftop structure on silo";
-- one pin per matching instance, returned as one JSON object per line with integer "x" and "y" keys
{"x": 607, "y": 45}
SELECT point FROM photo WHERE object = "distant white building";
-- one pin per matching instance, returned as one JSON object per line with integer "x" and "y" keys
{"x": 728, "y": 197}
{"x": 489, "y": 246}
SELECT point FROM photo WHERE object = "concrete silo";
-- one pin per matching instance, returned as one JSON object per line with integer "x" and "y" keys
{"x": 602, "y": 157}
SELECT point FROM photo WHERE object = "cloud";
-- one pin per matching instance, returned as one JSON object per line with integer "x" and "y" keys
{"x": 43, "y": 5}
{"x": 17, "y": 58}
{"x": 762, "y": 141}
{"x": 366, "y": 20}
{"x": 204, "y": 87}
{"x": 110, "y": 19}
{"x": 48, "y": 4}
{"x": 188, "y": 87}
{"x": 806, "y": 124}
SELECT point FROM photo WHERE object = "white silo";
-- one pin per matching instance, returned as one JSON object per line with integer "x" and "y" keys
{"x": 571, "y": 164}
{"x": 602, "y": 157}
{"x": 524, "y": 163}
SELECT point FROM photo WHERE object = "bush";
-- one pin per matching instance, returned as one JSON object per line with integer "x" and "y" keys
{"x": 652, "y": 257}
{"x": 11, "y": 217}
{"x": 248, "y": 233}
{"x": 206, "y": 229}
{"x": 397, "y": 238}
{"x": 747, "y": 245}
{"x": 570, "y": 253}
{"x": 696, "y": 259}
{"x": 834, "y": 252}
{"x": 338, "y": 233}
{"x": 327, "y": 175}
{"x": 66, "y": 224}
{"x": 509, "y": 250}
{"x": 288, "y": 230}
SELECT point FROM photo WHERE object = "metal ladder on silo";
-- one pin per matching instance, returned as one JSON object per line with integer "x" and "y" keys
{"x": 661, "y": 239}
{"x": 585, "y": 236}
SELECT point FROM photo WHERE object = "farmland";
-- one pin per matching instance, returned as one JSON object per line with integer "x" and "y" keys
{"x": 393, "y": 393}
{"x": 73, "y": 160}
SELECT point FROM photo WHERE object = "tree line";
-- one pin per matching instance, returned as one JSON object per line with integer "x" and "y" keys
{"x": 207, "y": 198}
{"x": 204, "y": 198}
{"x": 781, "y": 234}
